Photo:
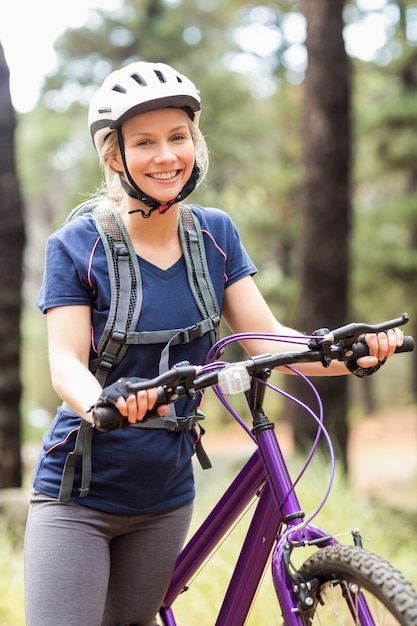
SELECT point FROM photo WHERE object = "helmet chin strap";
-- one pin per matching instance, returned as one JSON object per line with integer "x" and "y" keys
{"x": 132, "y": 189}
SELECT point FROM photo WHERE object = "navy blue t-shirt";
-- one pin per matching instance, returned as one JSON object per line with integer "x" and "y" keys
{"x": 135, "y": 470}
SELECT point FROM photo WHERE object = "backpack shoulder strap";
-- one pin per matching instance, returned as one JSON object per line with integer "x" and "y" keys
{"x": 125, "y": 285}
{"x": 87, "y": 206}
{"x": 197, "y": 269}
{"x": 125, "y": 288}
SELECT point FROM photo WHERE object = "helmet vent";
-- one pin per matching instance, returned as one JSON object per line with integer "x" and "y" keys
{"x": 118, "y": 88}
{"x": 139, "y": 79}
{"x": 160, "y": 76}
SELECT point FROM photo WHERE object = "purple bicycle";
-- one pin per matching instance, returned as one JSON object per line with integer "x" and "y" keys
{"x": 338, "y": 584}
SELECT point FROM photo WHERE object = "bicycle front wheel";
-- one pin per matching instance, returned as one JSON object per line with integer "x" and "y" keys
{"x": 351, "y": 586}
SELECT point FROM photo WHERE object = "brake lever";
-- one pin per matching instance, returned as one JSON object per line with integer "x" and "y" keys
{"x": 181, "y": 374}
{"x": 350, "y": 334}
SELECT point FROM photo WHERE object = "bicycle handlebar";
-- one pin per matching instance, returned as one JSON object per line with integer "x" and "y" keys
{"x": 344, "y": 344}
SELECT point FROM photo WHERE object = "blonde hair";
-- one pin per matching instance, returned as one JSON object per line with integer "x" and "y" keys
{"x": 112, "y": 188}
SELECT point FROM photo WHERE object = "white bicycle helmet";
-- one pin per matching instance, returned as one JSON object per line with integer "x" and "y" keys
{"x": 138, "y": 88}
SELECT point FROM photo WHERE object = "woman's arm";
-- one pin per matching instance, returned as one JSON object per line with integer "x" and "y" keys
{"x": 69, "y": 337}
{"x": 69, "y": 340}
{"x": 245, "y": 310}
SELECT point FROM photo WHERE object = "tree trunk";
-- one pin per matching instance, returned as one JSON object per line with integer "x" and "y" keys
{"x": 325, "y": 210}
{"x": 11, "y": 253}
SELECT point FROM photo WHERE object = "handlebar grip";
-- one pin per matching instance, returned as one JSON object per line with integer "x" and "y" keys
{"x": 107, "y": 417}
{"x": 361, "y": 348}
{"x": 408, "y": 345}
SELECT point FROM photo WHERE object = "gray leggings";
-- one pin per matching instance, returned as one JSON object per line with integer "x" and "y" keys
{"x": 88, "y": 568}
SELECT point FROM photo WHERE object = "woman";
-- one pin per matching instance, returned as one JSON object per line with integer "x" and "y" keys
{"x": 105, "y": 556}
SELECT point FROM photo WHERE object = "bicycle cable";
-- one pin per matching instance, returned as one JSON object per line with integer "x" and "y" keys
{"x": 218, "y": 349}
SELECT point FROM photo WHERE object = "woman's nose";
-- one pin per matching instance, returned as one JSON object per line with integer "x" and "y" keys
{"x": 164, "y": 154}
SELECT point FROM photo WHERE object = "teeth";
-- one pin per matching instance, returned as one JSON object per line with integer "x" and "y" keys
{"x": 164, "y": 175}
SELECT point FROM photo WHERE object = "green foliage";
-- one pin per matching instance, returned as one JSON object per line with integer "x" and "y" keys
{"x": 386, "y": 192}
{"x": 11, "y": 581}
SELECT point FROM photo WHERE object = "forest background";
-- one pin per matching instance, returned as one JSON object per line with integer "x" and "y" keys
{"x": 313, "y": 153}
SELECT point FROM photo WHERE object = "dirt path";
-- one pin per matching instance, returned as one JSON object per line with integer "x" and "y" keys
{"x": 383, "y": 457}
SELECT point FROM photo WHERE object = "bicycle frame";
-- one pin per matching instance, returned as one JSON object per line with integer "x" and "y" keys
{"x": 265, "y": 475}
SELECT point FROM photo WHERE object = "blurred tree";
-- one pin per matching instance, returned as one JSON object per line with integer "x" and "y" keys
{"x": 325, "y": 209}
{"x": 388, "y": 212}
{"x": 11, "y": 255}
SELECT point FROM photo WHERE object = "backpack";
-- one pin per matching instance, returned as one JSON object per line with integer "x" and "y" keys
{"x": 120, "y": 329}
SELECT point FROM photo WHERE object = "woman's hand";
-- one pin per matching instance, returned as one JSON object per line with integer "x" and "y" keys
{"x": 381, "y": 346}
{"x": 135, "y": 406}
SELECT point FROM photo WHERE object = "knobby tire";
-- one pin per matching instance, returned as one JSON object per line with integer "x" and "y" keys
{"x": 336, "y": 572}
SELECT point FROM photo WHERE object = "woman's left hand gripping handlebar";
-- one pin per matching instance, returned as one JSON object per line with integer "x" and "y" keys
{"x": 131, "y": 404}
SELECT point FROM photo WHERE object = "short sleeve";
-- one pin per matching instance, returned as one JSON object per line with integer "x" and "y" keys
{"x": 65, "y": 279}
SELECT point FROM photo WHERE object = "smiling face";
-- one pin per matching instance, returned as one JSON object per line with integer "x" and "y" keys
{"x": 159, "y": 152}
